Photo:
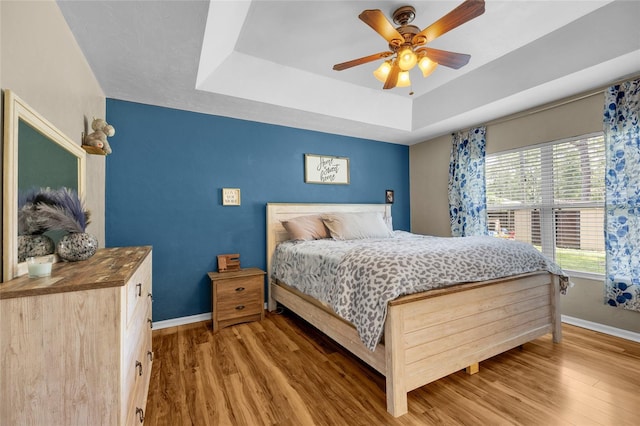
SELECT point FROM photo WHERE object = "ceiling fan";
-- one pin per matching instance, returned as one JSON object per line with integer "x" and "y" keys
{"x": 406, "y": 40}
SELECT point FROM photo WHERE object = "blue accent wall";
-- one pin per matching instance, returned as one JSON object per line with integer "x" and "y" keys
{"x": 164, "y": 181}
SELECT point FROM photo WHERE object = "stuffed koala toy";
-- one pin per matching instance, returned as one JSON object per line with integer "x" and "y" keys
{"x": 101, "y": 130}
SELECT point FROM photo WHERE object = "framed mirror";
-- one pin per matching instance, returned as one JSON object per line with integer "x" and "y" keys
{"x": 36, "y": 154}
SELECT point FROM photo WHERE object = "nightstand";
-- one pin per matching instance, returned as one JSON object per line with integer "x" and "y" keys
{"x": 237, "y": 297}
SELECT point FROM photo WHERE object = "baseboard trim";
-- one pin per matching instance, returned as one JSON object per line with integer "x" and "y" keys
{"x": 174, "y": 322}
{"x": 606, "y": 329}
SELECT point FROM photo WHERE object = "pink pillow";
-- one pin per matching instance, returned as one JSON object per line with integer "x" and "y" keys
{"x": 306, "y": 228}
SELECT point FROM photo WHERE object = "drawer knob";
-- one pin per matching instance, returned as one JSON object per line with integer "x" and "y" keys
{"x": 140, "y": 414}
{"x": 139, "y": 367}
{"x": 150, "y": 355}
{"x": 240, "y": 307}
{"x": 240, "y": 289}
{"x": 150, "y": 322}
{"x": 150, "y": 296}
{"x": 139, "y": 287}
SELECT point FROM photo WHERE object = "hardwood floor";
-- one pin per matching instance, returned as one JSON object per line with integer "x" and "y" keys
{"x": 282, "y": 371}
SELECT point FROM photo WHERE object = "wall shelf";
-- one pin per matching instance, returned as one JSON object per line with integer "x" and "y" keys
{"x": 93, "y": 150}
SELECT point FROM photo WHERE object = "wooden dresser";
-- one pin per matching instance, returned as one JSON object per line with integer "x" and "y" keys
{"x": 75, "y": 347}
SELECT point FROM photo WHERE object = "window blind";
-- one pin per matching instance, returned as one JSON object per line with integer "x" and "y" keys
{"x": 552, "y": 196}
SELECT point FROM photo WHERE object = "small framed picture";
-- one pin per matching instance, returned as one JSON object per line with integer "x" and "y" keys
{"x": 230, "y": 196}
{"x": 388, "y": 196}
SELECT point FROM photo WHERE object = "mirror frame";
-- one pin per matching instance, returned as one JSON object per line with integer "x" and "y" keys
{"x": 15, "y": 109}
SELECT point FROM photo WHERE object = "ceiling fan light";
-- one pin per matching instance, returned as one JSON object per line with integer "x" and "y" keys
{"x": 407, "y": 59}
{"x": 403, "y": 79}
{"x": 427, "y": 66}
{"x": 383, "y": 71}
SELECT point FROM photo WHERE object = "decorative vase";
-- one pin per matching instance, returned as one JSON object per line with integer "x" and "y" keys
{"x": 77, "y": 246}
{"x": 34, "y": 246}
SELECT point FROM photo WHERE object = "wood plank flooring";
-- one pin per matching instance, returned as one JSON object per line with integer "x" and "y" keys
{"x": 282, "y": 371}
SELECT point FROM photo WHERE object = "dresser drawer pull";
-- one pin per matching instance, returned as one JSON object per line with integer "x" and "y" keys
{"x": 139, "y": 367}
{"x": 150, "y": 296}
{"x": 240, "y": 289}
{"x": 239, "y": 307}
{"x": 150, "y": 322}
{"x": 140, "y": 414}
{"x": 139, "y": 287}
{"x": 150, "y": 355}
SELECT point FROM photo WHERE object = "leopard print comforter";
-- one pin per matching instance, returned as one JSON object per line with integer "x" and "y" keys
{"x": 357, "y": 278}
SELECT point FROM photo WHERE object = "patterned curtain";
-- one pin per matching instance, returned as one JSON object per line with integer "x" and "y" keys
{"x": 467, "y": 189}
{"x": 622, "y": 200}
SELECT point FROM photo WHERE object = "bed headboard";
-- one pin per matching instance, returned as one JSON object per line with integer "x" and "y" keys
{"x": 276, "y": 212}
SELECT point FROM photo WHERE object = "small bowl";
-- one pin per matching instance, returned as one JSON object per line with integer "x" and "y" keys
{"x": 39, "y": 267}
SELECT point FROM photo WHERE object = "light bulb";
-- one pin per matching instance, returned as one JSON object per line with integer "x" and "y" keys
{"x": 407, "y": 59}
{"x": 403, "y": 79}
{"x": 383, "y": 71}
{"x": 427, "y": 66}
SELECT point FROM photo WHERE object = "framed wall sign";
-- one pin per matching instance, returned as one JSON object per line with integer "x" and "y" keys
{"x": 326, "y": 169}
{"x": 230, "y": 196}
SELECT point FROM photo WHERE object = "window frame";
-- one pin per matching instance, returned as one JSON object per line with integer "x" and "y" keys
{"x": 547, "y": 207}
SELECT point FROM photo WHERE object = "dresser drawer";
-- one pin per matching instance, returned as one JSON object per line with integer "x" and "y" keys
{"x": 138, "y": 393}
{"x": 139, "y": 288}
{"x": 139, "y": 325}
{"x": 136, "y": 360}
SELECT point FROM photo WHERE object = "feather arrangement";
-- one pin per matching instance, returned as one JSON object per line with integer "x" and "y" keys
{"x": 56, "y": 217}
{"x": 27, "y": 213}
{"x": 27, "y": 221}
{"x": 47, "y": 209}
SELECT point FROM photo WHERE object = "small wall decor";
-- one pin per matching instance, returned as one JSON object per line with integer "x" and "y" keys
{"x": 228, "y": 262}
{"x": 230, "y": 196}
{"x": 388, "y": 196}
{"x": 326, "y": 169}
{"x": 96, "y": 142}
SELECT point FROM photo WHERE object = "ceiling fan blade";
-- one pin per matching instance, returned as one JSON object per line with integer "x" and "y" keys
{"x": 380, "y": 24}
{"x": 446, "y": 58}
{"x": 360, "y": 61}
{"x": 465, "y": 12}
{"x": 392, "y": 78}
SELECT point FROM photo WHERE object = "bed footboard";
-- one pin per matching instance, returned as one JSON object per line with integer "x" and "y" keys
{"x": 432, "y": 336}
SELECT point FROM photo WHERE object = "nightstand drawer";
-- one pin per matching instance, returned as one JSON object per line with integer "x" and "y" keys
{"x": 239, "y": 297}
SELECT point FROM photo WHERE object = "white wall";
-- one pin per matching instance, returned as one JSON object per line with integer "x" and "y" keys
{"x": 41, "y": 62}
{"x": 429, "y": 174}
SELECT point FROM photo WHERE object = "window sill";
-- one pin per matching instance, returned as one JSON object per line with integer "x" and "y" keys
{"x": 586, "y": 275}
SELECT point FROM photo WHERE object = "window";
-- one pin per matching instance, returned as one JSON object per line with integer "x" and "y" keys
{"x": 552, "y": 196}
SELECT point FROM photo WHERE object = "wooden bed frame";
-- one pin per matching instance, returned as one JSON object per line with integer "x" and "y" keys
{"x": 427, "y": 335}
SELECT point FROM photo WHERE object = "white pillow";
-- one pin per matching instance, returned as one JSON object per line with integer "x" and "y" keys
{"x": 354, "y": 226}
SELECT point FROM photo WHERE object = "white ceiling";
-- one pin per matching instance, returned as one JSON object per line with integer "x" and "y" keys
{"x": 271, "y": 61}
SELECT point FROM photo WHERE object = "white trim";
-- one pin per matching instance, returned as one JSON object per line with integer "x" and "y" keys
{"x": 606, "y": 329}
{"x": 158, "y": 325}
{"x": 174, "y": 322}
